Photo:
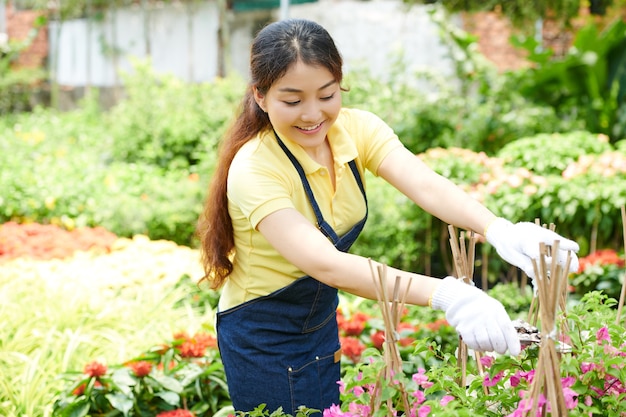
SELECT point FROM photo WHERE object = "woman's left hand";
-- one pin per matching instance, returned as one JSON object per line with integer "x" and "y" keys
{"x": 519, "y": 244}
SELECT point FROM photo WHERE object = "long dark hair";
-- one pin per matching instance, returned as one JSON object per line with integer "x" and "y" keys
{"x": 276, "y": 47}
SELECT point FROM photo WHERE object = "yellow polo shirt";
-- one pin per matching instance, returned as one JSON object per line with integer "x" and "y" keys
{"x": 262, "y": 180}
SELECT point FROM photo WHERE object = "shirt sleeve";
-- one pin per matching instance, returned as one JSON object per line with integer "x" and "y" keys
{"x": 375, "y": 139}
{"x": 256, "y": 188}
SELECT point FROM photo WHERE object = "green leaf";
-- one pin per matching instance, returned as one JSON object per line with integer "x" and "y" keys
{"x": 120, "y": 402}
{"x": 77, "y": 409}
{"x": 170, "y": 383}
{"x": 169, "y": 397}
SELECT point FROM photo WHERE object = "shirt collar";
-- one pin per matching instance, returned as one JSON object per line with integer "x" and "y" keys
{"x": 344, "y": 149}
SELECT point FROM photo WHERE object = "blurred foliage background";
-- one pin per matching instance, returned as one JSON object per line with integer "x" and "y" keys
{"x": 543, "y": 141}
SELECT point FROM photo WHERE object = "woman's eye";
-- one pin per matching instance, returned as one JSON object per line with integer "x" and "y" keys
{"x": 292, "y": 103}
{"x": 328, "y": 97}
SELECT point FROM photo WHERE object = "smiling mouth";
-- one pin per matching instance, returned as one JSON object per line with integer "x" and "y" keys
{"x": 309, "y": 128}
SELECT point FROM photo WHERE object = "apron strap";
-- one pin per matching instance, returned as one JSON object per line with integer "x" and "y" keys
{"x": 322, "y": 224}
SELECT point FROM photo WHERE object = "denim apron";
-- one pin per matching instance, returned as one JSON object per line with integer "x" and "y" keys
{"x": 283, "y": 350}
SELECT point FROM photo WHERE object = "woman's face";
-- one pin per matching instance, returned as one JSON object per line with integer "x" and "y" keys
{"x": 303, "y": 104}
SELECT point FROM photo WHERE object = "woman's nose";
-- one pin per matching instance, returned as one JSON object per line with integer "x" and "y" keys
{"x": 310, "y": 112}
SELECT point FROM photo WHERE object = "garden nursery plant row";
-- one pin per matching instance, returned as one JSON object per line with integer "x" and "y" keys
{"x": 118, "y": 326}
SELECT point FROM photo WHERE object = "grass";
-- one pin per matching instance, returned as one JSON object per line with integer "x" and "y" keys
{"x": 56, "y": 316}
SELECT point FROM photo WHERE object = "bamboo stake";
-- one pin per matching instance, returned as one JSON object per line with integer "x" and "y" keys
{"x": 623, "y": 292}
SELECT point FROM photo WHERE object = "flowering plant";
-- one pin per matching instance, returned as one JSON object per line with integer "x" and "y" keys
{"x": 184, "y": 378}
{"x": 602, "y": 270}
{"x": 593, "y": 376}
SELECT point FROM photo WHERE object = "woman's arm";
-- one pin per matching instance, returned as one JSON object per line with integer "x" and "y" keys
{"x": 433, "y": 192}
{"x": 480, "y": 320}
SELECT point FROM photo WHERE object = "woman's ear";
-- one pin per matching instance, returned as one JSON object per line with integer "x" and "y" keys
{"x": 259, "y": 98}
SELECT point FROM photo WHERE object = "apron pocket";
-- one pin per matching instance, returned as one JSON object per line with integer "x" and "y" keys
{"x": 314, "y": 384}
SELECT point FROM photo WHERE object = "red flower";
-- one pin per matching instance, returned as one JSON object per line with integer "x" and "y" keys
{"x": 601, "y": 257}
{"x": 196, "y": 346}
{"x": 355, "y": 325}
{"x": 176, "y": 413}
{"x": 437, "y": 324}
{"x": 80, "y": 390}
{"x": 95, "y": 369}
{"x": 352, "y": 348}
{"x": 406, "y": 328}
{"x": 378, "y": 339}
{"x": 140, "y": 368}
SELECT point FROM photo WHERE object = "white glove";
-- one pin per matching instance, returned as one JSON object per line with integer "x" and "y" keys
{"x": 480, "y": 319}
{"x": 519, "y": 243}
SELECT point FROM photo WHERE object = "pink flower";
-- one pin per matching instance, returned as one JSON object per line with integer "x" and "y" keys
{"x": 490, "y": 382}
{"x": 421, "y": 379}
{"x": 419, "y": 397}
{"x": 358, "y": 391}
{"x": 357, "y": 410}
{"x": 587, "y": 367}
{"x": 335, "y": 411}
{"x": 342, "y": 386}
{"x": 423, "y": 411}
{"x": 571, "y": 398}
{"x": 603, "y": 334}
{"x": 486, "y": 361}
{"x": 445, "y": 400}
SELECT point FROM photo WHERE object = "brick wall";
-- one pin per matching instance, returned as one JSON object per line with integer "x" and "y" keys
{"x": 19, "y": 24}
{"x": 493, "y": 32}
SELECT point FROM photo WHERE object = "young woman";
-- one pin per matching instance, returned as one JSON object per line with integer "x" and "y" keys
{"x": 286, "y": 203}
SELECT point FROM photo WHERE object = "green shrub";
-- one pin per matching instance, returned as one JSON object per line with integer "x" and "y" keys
{"x": 169, "y": 123}
{"x": 552, "y": 153}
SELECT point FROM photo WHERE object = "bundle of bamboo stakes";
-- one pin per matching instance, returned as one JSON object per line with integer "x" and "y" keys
{"x": 547, "y": 379}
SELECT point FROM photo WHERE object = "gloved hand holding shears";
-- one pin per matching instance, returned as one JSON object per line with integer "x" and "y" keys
{"x": 480, "y": 319}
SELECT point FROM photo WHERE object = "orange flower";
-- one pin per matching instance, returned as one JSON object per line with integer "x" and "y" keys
{"x": 95, "y": 369}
